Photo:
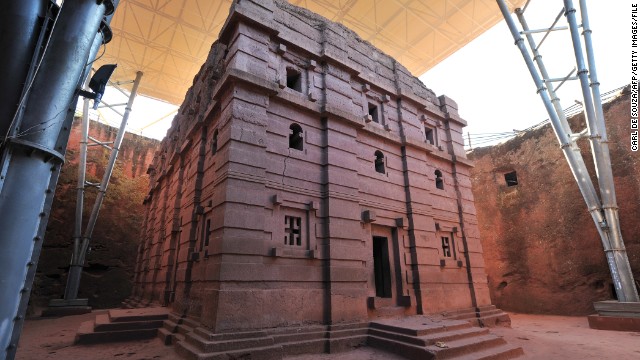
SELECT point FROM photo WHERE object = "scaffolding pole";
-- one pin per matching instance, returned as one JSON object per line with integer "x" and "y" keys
{"x": 603, "y": 208}
{"x": 81, "y": 241}
{"x": 33, "y": 151}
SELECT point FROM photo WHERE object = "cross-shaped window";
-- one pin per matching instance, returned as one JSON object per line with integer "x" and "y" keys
{"x": 292, "y": 231}
{"x": 446, "y": 248}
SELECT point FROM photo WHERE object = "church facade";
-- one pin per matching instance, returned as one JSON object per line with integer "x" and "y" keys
{"x": 308, "y": 179}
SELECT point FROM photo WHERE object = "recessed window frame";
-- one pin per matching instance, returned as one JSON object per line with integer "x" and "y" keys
{"x": 294, "y": 79}
{"x": 293, "y": 231}
{"x": 379, "y": 162}
{"x": 447, "y": 248}
{"x": 439, "y": 180}
{"x": 296, "y": 137}
{"x": 374, "y": 111}
{"x": 214, "y": 142}
{"x": 511, "y": 179}
{"x": 430, "y": 135}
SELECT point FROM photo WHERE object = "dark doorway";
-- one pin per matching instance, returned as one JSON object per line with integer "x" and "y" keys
{"x": 381, "y": 268}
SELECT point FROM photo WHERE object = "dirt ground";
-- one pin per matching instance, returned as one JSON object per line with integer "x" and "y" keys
{"x": 542, "y": 337}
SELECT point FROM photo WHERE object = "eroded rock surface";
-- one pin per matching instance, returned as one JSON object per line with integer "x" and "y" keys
{"x": 542, "y": 251}
{"x": 106, "y": 280}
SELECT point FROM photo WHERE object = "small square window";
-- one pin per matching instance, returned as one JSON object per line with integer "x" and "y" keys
{"x": 294, "y": 80}
{"x": 292, "y": 231}
{"x": 430, "y": 135}
{"x": 373, "y": 111}
{"x": 511, "y": 178}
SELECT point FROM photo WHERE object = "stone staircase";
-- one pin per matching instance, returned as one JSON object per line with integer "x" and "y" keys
{"x": 122, "y": 325}
{"x": 420, "y": 337}
{"x": 134, "y": 303}
{"x": 175, "y": 328}
{"x": 413, "y": 337}
{"x": 488, "y": 316}
{"x": 198, "y": 343}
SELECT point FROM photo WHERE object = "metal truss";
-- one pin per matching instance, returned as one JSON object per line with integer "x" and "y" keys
{"x": 82, "y": 239}
{"x": 602, "y": 206}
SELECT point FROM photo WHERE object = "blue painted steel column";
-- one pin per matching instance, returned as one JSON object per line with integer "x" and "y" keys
{"x": 32, "y": 154}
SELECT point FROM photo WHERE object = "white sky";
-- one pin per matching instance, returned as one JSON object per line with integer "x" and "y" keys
{"x": 488, "y": 77}
{"x": 490, "y": 82}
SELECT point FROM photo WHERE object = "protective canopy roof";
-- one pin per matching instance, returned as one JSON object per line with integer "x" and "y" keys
{"x": 169, "y": 40}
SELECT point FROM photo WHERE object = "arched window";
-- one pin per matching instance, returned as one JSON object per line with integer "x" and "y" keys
{"x": 439, "y": 180}
{"x": 214, "y": 142}
{"x": 296, "y": 141}
{"x": 379, "y": 162}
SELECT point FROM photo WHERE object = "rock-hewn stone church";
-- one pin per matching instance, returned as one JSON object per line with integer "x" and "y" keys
{"x": 308, "y": 181}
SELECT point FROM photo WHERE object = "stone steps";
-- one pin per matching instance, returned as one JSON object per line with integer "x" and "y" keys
{"x": 190, "y": 352}
{"x": 175, "y": 329}
{"x": 431, "y": 338}
{"x": 201, "y": 344}
{"x": 415, "y": 337}
{"x": 490, "y": 316}
{"x": 425, "y": 338}
{"x": 122, "y": 325}
{"x": 466, "y": 346}
{"x": 502, "y": 352}
{"x": 421, "y": 328}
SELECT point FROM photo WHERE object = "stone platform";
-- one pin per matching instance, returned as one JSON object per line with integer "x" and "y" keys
{"x": 413, "y": 337}
{"x": 615, "y": 315}
{"x": 122, "y": 325}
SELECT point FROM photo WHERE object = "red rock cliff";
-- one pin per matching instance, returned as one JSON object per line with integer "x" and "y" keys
{"x": 106, "y": 280}
{"x": 541, "y": 248}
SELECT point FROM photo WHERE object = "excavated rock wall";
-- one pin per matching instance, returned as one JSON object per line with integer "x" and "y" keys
{"x": 106, "y": 279}
{"x": 541, "y": 247}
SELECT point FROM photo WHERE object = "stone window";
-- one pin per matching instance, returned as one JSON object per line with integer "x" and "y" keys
{"x": 439, "y": 180}
{"x": 296, "y": 141}
{"x": 511, "y": 178}
{"x": 294, "y": 79}
{"x": 206, "y": 235}
{"x": 379, "y": 162}
{"x": 374, "y": 112}
{"x": 430, "y": 135}
{"x": 214, "y": 142}
{"x": 292, "y": 231}
{"x": 446, "y": 247}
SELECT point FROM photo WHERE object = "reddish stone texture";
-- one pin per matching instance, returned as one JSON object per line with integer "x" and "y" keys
{"x": 229, "y": 181}
{"x": 107, "y": 278}
{"x": 542, "y": 250}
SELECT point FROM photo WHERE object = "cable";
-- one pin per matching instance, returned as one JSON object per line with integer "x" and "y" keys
{"x": 485, "y": 138}
{"x": 35, "y": 72}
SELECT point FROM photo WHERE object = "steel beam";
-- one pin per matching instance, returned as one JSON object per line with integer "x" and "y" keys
{"x": 603, "y": 208}
{"x": 81, "y": 246}
{"x": 623, "y": 283}
{"x": 33, "y": 153}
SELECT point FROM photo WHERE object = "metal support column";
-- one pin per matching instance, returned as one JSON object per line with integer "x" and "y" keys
{"x": 33, "y": 152}
{"x": 624, "y": 285}
{"x": 603, "y": 208}
{"x": 81, "y": 246}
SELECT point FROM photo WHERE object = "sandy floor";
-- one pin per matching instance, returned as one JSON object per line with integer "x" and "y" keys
{"x": 45, "y": 338}
{"x": 570, "y": 338}
{"x": 542, "y": 337}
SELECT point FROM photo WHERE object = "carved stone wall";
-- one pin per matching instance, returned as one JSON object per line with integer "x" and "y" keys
{"x": 298, "y": 145}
